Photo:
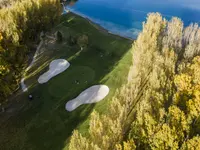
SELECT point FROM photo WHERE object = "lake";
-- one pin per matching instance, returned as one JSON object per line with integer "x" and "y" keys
{"x": 125, "y": 17}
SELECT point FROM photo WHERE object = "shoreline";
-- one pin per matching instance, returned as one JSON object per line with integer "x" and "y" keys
{"x": 19, "y": 89}
{"x": 99, "y": 27}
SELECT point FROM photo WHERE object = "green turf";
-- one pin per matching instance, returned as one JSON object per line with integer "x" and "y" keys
{"x": 44, "y": 123}
{"x": 65, "y": 83}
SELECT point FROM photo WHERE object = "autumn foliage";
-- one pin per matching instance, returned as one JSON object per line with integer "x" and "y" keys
{"x": 159, "y": 107}
{"x": 21, "y": 22}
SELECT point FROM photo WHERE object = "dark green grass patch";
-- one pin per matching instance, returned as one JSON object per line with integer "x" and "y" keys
{"x": 44, "y": 123}
{"x": 74, "y": 79}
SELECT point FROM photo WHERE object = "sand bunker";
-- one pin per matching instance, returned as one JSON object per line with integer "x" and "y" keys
{"x": 93, "y": 94}
{"x": 23, "y": 85}
{"x": 56, "y": 67}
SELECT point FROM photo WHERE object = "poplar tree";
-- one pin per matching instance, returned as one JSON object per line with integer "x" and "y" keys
{"x": 159, "y": 107}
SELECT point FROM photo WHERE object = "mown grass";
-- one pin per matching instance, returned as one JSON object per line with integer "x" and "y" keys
{"x": 44, "y": 123}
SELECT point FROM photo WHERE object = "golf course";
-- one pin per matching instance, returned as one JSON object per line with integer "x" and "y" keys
{"x": 43, "y": 122}
{"x": 99, "y": 75}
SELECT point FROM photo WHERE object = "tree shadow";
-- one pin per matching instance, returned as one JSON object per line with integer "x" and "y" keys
{"x": 44, "y": 123}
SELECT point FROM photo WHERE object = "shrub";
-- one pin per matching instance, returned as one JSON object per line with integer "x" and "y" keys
{"x": 59, "y": 36}
{"x": 83, "y": 41}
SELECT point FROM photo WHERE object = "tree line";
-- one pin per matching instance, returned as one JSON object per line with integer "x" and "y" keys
{"x": 21, "y": 21}
{"x": 159, "y": 107}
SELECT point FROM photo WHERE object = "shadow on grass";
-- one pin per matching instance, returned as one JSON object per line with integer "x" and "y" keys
{"x": 44, "y": 123}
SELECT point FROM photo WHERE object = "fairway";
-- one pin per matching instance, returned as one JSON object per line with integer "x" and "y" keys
{"x": 44, "y": 123}
{"x": 65, "y": 83}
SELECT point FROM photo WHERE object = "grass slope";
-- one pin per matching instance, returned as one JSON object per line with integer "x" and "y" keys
{"x": 44, "y": 123}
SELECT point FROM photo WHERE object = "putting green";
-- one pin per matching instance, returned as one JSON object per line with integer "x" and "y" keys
{"x": 73, "y": 79}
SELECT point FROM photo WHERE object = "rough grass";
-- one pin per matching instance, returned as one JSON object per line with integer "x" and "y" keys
{"x": 44, "y": 123}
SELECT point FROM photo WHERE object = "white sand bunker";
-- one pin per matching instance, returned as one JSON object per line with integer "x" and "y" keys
{"x": 23, "y": 85}
{"x": 93, "y": 94}
{"x": 56, "y": 67}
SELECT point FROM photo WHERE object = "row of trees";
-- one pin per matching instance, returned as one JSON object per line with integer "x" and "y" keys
{"x": 159, "y": 107}
{"x": 20, "y": 25}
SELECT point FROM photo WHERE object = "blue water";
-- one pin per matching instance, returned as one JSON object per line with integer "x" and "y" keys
{"x": 125, "y": 17}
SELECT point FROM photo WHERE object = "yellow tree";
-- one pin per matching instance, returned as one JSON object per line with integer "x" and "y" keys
{"x": 77, "y": 142}
{"x": 191, "y": 144}
{"x": 1, "y": 37}
{"x": 105, "y": 132}
{"x": 158, "y": 107}
{"x": 191, "y": 38}
{"x": 177, "y": 121}
{"x": 188, "y": 89}
{"x": 129, "y": 145}
{"x": 19, "y": 23}
{"x": 164, "y": 138}
{"x": 145, "y": 45}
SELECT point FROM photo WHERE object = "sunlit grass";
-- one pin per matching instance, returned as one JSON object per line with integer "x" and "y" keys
{"x": 44, "y": 123}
